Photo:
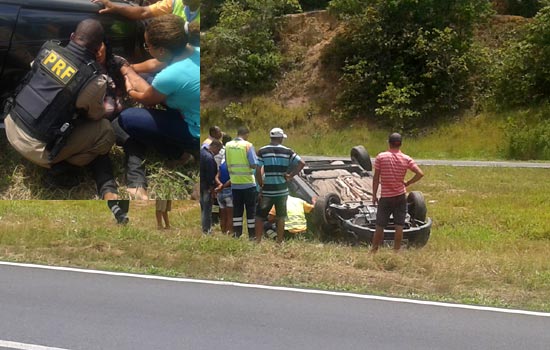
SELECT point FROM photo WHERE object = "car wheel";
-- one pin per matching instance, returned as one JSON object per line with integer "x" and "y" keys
{"x": 359, "y": 155}
{"x": 416, "y": 206}
{"x": 325, "y": 225}
{"x": 421, "y": 238}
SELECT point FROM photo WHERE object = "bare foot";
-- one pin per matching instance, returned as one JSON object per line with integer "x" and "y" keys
{"x": 110, "y": 196}
{"x": 137, "y": 193}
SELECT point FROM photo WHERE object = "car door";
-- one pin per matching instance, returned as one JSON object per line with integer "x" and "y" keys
{"x": 39, "y": 21}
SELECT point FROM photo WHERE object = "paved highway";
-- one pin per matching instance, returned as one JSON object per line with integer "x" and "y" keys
{"x": 44, "y": 308}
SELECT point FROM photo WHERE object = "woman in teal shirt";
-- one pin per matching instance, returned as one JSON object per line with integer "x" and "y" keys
{"x": 174, "y": 132}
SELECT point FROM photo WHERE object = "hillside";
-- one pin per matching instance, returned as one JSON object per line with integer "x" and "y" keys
{"x": 304, "y": 80}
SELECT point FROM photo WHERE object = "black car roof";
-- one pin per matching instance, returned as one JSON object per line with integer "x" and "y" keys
{"x": 71, "y": 5}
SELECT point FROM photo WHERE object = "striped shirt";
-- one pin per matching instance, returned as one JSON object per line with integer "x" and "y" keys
{"x": 392, "y": 166}
{"x": 277, "y": 160}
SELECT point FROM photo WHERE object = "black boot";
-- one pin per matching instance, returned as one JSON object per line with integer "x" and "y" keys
{"x": 62, "y": 175}
{"x": 119, "y": 208}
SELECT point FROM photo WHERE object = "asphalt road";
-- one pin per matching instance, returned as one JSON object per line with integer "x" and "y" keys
{"x": 459, "y": 163}
{"x": 92, "y": 310}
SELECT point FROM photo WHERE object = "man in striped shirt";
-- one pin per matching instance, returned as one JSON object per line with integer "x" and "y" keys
{"x": 390, "y": 168}
{"x": 278, "y": 164}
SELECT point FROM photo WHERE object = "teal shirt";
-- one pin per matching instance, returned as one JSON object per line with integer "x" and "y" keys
{"x": 180, "y": 82}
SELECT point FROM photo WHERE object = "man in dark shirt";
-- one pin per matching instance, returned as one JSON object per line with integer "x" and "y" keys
{"x": 209, "y": 169}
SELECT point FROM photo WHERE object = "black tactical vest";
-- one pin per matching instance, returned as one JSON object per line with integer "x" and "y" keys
{"x": 48, "y": 98}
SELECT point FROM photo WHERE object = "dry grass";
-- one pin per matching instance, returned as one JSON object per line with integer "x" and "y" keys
{"x": 20, "y": 179}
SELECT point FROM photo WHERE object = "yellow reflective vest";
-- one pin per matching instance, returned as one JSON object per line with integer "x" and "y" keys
{"x": 237, "y": 162}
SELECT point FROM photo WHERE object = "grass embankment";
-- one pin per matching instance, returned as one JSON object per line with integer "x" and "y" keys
{"x": 487, "y": 136}
{"x": 489, "y": 244}
{"x": 20, "y": 179}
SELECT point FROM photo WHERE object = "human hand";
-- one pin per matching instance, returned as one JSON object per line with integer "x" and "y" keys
{"x": 108, "y": 6}
{"x": 374, "y": 200}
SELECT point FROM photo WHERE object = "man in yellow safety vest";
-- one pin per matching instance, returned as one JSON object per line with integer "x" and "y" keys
{"x": 241, "y": 160}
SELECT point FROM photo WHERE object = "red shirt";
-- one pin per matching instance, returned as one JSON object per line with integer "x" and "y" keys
{"x": 392, "y": 166}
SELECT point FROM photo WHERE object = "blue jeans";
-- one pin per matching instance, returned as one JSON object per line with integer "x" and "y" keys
{"x": 138, "y": 128}
{"x": 166, "y": 131}
{"x": 206, "y": 211}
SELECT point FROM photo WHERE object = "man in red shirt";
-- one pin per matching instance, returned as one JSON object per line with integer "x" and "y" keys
{"x": 390, "y": 168}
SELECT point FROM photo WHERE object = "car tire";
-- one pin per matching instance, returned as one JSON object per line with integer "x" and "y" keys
{"x": 359, "y": 155}
{"x": 325, "y": 226}
{"x": 416, "y": 206}
{"x": 420, "y": 238}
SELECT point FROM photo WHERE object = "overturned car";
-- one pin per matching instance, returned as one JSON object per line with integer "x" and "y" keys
{"x": 343, "y": 209}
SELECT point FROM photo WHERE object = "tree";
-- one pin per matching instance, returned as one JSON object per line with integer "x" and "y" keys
{"x": 405, "y": 61}
{"x": 239, "y": 54}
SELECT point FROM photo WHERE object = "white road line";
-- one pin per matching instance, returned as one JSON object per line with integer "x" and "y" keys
{"x": 286, "y": 289}
{"x": 23, "y": 346}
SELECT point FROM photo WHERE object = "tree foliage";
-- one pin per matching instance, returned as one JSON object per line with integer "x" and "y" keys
{"x": 239, "y": 54}
{"x": 524, "y": 75}
{"x": 405, "y": 60}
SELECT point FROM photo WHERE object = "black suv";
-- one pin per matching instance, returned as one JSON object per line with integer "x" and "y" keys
{"x": 26, "y": 24}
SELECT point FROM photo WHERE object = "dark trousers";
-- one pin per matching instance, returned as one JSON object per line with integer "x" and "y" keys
{"x": 102, "y": 172}
{"x": 244, "y": 200}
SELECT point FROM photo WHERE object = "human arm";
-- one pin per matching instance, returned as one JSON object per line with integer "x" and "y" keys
{"x": 139, "y": 89}
{"x": 90, "y": 99}
{"x": 131, "y": 12}
{"x": 375, "y": 183}
{"x": 150, "y": 66}
{"x": 418, "y": 174}
{"x": 295, "y": 170}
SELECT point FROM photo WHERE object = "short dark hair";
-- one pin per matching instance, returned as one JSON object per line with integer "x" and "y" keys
{"x": 226, "y": 138}
{"x": 213, "y": 130}
{"x": 168, "y": 32}
{"x": 89, "y": 33}
{"x": 243, "y": 130}
{"x": 216, "y": 144}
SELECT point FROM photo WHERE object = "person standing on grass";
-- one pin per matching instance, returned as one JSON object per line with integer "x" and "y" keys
{"x": 225, "y": 198}
{"x": 162, "y": 207}
{"x": 390, "y": 168}
{"x": 241, "y": 160}
{"x": 208, "y": 171}
{"x": 280, "y": 164}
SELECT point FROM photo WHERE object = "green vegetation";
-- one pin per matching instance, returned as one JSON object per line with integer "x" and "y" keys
{"x": 520, "y": 134}
{"x": 489, "y": 244}
{"x": 420, "y": 67}
{"x": 240, "y": 51}
{"x": 20, "y": 179}
{"x": 406, "y": 62}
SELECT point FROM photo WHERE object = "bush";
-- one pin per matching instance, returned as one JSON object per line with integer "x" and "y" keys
{"x": 525, "y": 8}
{"x": 523, "y": 78}
{"x": 405, "y": 60}
{"x": 239, "y": 53}
{"x": 528, "y": 141}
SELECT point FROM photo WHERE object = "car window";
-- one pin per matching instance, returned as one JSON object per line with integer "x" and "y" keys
{"x": 8, "y": 14}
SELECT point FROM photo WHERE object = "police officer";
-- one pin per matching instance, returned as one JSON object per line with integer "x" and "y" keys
{"x": 57, "y": 118}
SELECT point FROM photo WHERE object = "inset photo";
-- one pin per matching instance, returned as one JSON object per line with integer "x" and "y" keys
{"x": 99, "y": 99}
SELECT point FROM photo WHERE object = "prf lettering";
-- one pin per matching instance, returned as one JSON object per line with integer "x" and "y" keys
{"x": 59, "y": 67}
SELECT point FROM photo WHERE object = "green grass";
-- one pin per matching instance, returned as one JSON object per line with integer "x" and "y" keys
{"x": 485, "y": 136}
{"x": 20, "y": 179}
{"x": 489, "y": 244}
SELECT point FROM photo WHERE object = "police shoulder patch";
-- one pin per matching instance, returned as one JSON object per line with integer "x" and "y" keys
{"x": 59, "y": 67}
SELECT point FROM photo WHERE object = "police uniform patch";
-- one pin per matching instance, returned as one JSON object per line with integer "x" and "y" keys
{"x": 59, "y": 67}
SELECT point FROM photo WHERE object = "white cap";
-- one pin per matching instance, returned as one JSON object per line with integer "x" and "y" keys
{"x": 277, "y": 132}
